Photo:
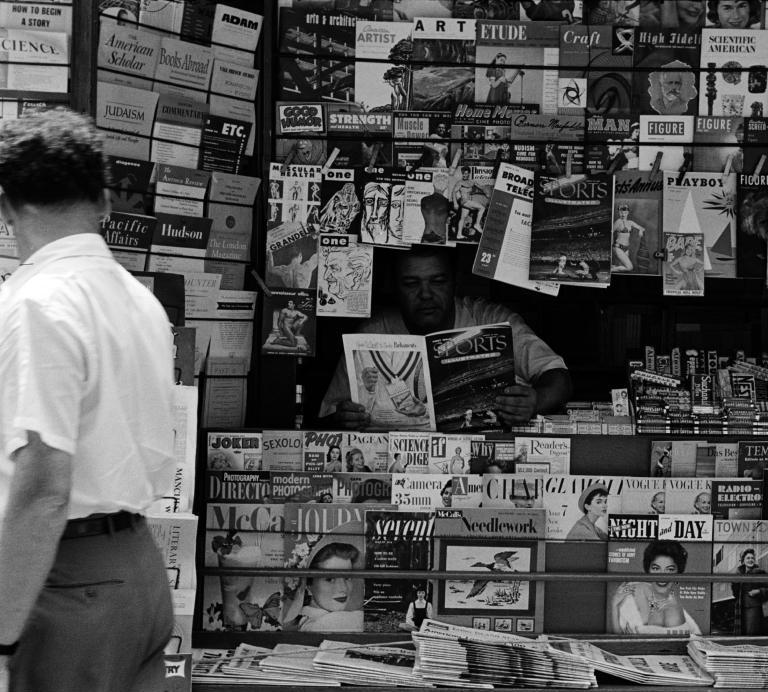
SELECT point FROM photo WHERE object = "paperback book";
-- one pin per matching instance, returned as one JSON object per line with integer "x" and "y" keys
{"x": 684, "y": 263}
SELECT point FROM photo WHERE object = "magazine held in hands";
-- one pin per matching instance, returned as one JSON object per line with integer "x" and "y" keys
{"x": 447, "y": 380}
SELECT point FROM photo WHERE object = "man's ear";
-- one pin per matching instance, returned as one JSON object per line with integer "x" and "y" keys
{"x": 7, "y": 212}
{"x": 105, "y": 205}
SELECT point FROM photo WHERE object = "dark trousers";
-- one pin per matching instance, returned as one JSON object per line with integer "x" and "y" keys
{"x": 101, "y": 621}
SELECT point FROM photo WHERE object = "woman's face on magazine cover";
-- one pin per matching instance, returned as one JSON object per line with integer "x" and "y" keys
{"x": 332, "y": 593}
{"x": 662, "y": 564}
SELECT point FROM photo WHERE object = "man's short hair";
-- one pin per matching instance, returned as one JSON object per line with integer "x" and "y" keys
{"x": 448, "y": 256}
{"x": 51, "y": 157}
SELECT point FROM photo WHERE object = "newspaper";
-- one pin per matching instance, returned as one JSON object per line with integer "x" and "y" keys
{"x": 389, "y": 376}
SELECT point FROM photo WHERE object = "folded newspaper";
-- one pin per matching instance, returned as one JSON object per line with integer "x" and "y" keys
{"x": 731, "y": 665}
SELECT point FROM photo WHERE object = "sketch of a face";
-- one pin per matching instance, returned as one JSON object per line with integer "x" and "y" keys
{"x": 396, "y": 210}
{"x": 340, "y": 210}
{"x": 346, "y": 271}
{"x": 375, "y": 225}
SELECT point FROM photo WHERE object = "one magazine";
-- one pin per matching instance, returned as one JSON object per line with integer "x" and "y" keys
{"x": 665, "y": 545}
{"x": 739, "y": 548}
{"x": 390, "y": 377}
{"x": 469, "y": 368}
{"x": 683, "y": 265}
{"x": 433, "y": 491}
{"x": 504, "y": 249}
{"x": 705, "y": 203}
{"x": 571, "y": 231}
{"x": 490, "y": 542}
{"x": 288, "y": 323}
{"x": 234, "y": 450}
{"x": 239, "y": 536}
{"x": 344, "y": 276}
{"x": 396, "y": 540}
{"x": 636, "y": 223}
{"x": 579, "y": 507}
{"x": 751, "y": 251}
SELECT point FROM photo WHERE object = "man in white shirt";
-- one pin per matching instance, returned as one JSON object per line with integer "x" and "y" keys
{"x": 86, "y": 429}
{"x": 425, "y": 287}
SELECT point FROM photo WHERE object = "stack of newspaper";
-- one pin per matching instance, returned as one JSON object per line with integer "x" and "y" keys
{"x": 295, "y": 662}
{"x": 641, "y": 669}
{"x": 454, "y": 655}
{"x": 379, "y": 665}
{"x": 731, "y": 665}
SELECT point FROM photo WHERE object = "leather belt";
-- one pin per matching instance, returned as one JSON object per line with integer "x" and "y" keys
{"x": 99, "y": 524}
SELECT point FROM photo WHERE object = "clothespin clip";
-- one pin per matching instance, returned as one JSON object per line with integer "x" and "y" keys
{"x": 687, "y": 158}
{"x": 261, "y": 282}
{"x": 374, "y": 156}
{"x": 329, "y": 161}
{"x": 728, "y": 166}
{"x": 759, "y": 166}
{"x": 456, "y": 159}
{"x": 568, "y": 163}
{"x": 654, "y": 174}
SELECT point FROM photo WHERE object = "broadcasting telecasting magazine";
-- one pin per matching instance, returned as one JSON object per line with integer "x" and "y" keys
{"x": 389, "y": 375}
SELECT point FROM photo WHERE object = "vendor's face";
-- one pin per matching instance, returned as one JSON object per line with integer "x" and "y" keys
{"x": 662, "y": 564}
{"x": 733, "y": 14}
{"x": 332, "y": 593}
{"x": 425, "y": 291}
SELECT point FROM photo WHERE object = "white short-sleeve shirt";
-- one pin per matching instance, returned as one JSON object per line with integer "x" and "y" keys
{"x": 86, "y": 362}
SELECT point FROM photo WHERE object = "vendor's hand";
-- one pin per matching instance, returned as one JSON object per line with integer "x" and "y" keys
{"x": 754, "y": 593}
{"x": 370, "y": 377}
{"x": 517, "y": 404}
{"x": 350, "y": 416}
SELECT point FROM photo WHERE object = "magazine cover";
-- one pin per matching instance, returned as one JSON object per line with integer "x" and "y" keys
{"x": 596, "y": 70}
{"x": 239, "y": 536}
{"x": 636, "y": 223}
{"x": 449, "y": 44}
{"x": 401, "y": 541}
{"x": 521, "y": 490}
{"x": 643, "y": 496}
{"x": 339, "y": 202}
{"x": 705, "y": 203}
{"x": 366, "y": 451}
{"x": 666, "y": 81}
{"x": 359, "y": 488}
{"x": 739, "y": 547}
{"x": 733, "y": 64}
{"x": 571, "y": 231}
{"x": 719, "y": 143}
{"x": 451, "y": 454}
{"x": 663, "y": 140}
{"x": 619, "y": 12}
{"x": 493, "y": 456}
{"x": 673, "y": 458}
{"x": 542, "y": 454}
{"x": 578, "y": 507}
{"x": 291, "y": 256}
{"x": 470, "y": 195}
{"x": 231, "y": 486}
{"x": 469, "y": 368}
{"x": 737, "y": 498}
{"x": 323, "y": 536}
{"x": 381, "y": 85}
{"x": 422, "y": 138}
{"x": 234, "y": 451}
{"x": 431, "y": 491}
{"x": 684, "y": 263}
{"x": 379, "y": 221}
{"x": 503, "y": 252}
{"x": 611, "y": 144}
{"x": 752, "y": 459}
{"x": 409, "y": 452}
{"x": 487, "y": 542}
{"x": 303, "y": 29}
{"x": 688, "y": 495}
{"x": 751, "y": 228}
{"x": 427, "y": 207}
{"x": 666, "y": 545}
{"x": 288, "y": 323}
{"x": 293, "y": 196}
{"x": 503, "y": 49}
{"x": 323, "y": 451}
{"x": 390, "y": 376}
{"x": 345, "y": 276}
{"x": 282, "y": 450}
{"x": 301, "y": 486}
{"x": 303, "y": 80}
